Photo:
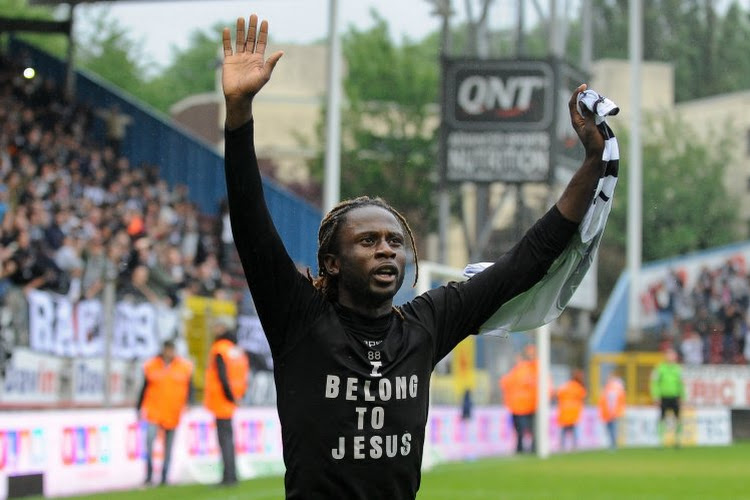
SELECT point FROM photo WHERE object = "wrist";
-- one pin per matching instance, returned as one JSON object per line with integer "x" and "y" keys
{"x": 239, "y": 111}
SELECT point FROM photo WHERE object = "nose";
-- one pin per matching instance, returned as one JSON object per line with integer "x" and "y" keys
{"x": 384, "y": 249}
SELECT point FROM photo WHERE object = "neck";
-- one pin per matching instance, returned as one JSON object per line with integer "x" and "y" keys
{"x": 364, "y": 308}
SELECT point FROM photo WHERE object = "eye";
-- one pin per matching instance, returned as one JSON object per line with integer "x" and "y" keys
{"x": 367, "y": 240}
{"x": 396, "y": 241}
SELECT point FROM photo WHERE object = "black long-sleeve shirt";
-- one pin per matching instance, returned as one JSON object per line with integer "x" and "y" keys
{"x": 353, "y": 392}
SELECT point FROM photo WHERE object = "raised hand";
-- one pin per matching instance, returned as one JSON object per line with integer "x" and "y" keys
{"x": 245, "y": 70}
{"x": 585, "y": 127}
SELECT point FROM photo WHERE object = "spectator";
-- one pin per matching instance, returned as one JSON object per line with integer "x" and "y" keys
{"x": 612, "y": 405}
{"x": 691, "y": 346}
{"x": 570, "y": 399}
{"x": 166, "y": 390}
{"x": 226, "y": 383}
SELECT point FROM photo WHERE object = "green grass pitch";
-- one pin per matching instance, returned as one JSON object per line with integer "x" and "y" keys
{"x": 633, "y": 474}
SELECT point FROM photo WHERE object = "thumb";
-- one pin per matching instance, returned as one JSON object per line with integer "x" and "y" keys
{"x": 272, "y": 60}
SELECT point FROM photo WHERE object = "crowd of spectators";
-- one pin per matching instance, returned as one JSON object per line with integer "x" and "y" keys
{"x": 75, "y": 215}
{"x": 708, "y": 322}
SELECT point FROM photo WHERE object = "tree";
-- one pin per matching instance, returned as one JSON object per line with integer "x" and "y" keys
{"x": 54, "y": 43}
{"x": 192, "y": 71}
{"x": 676, "y": 220}
{"x": 707, "y": 46}
{"x": 389, "y": 125}
{"x": 108, "y": 51}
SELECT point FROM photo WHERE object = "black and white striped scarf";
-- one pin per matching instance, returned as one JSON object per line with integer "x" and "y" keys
{"x": 546, "y": 300}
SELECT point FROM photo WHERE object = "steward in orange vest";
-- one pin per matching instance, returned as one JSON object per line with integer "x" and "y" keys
{"x": 570, "y": 398}
{"x": 520, "y": 390}
{"x": 612, "y": 406}
{"x": 226, "y": 383}
{"x": 167, "y": 388}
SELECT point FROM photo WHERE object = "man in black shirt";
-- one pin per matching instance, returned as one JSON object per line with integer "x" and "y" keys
{"x": 352, "y": 371}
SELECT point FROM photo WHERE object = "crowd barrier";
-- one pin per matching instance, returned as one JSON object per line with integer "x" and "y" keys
{"x": 84, "y": 451}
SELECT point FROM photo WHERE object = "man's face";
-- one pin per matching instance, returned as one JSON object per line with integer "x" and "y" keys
{"x": 371, "y": 259}
{"x": 168, "y": 353}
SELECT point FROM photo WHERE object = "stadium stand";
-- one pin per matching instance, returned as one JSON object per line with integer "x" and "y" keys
{"x": 74, "y": 213}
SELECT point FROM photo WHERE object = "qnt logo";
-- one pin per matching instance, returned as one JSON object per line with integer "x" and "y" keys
{"x": 503, "y": 97}
{"x": 21, "y": 450}
{"x": 86, "y": 445}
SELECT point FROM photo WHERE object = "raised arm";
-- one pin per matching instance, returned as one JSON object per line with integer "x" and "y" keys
{"x": 579, "y": 192}
{"x": 271, "y": 274}
{"x": 464, "y": 307}
{"x": 245, "y": 70}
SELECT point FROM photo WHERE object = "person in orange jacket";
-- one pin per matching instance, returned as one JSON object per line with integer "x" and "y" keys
{"x": 519, "y": 387}
{"x": 612, "y": 405}
{"x": 226, "y": 383}
{"x": 167, "y": 389}
{"x": 570, "y": 398}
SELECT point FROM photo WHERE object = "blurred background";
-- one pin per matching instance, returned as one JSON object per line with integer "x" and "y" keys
{"x": 114, "y": 229}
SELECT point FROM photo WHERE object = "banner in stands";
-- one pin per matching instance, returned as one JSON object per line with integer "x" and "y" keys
{"x": 31, "y": 379}
{"x": 717, "y": 385}
{"x": 198, "y": 312}
{"x": 89, "y": 381}
{"x": 58, "y": 326}
{"x": 250, "y": 336}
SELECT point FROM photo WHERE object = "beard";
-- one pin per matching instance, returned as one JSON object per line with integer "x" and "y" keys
{"x": 364, "y": 289}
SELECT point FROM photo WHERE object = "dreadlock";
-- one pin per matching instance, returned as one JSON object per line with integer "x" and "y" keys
{"x": 327, "y": 234}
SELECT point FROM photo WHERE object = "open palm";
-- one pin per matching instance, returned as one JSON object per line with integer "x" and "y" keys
{"x": 245, "y": 69}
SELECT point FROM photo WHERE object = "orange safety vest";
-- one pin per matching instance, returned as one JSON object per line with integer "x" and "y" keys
{"x": 519, "y": 388}
{"x": 570, "y": 397}
{"x": 167, "y": 390}
{"x": 237, "y": 368}
{"x": 612, "y": 401}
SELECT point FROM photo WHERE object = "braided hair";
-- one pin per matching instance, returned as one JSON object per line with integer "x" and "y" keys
{"x": 327, "y": 239}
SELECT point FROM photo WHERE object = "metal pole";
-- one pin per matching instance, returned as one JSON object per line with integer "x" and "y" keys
{"x": 443, "y": 9}
{"x": 635, "y": 184}
{"x": 543, "y": 407}
{"x": 108, "y": 323}
{"x": 332, "y": 182}
{"x": 482, "y": 191}
{"x": 587, "y": 19}
{"x": 520, "y": 36}
{"x": 553, "y": 41}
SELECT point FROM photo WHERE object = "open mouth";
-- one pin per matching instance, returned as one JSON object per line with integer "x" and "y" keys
{"x": 386, "y": 273}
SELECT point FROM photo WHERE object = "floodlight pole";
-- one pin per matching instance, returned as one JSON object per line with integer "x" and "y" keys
{"x": 543, "y": 407}
{"x": 635, "y": 167}
{"x": 332, "y": 180}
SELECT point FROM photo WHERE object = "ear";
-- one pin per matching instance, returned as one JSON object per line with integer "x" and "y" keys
{"x": 332, "y": 264}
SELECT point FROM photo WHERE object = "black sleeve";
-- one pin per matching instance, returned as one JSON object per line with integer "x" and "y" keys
{"x": 221, "y": 369}
{"x": 142, "y": 393}
{"x": 456, "y": 310}
{"x": 282, "y": 295}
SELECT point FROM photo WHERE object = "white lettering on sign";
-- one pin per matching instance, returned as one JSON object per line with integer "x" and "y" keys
{"x": 478, "y": 94}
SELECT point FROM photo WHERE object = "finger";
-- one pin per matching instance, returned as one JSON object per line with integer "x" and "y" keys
{"x": 251, "y": 33}
{"x": 260, "y": 48}
{"x": 240, "y": 35}
{"x": 573, "y": 102}
{"x": 226, "y": 40}
{"x": 272, "y": 60}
